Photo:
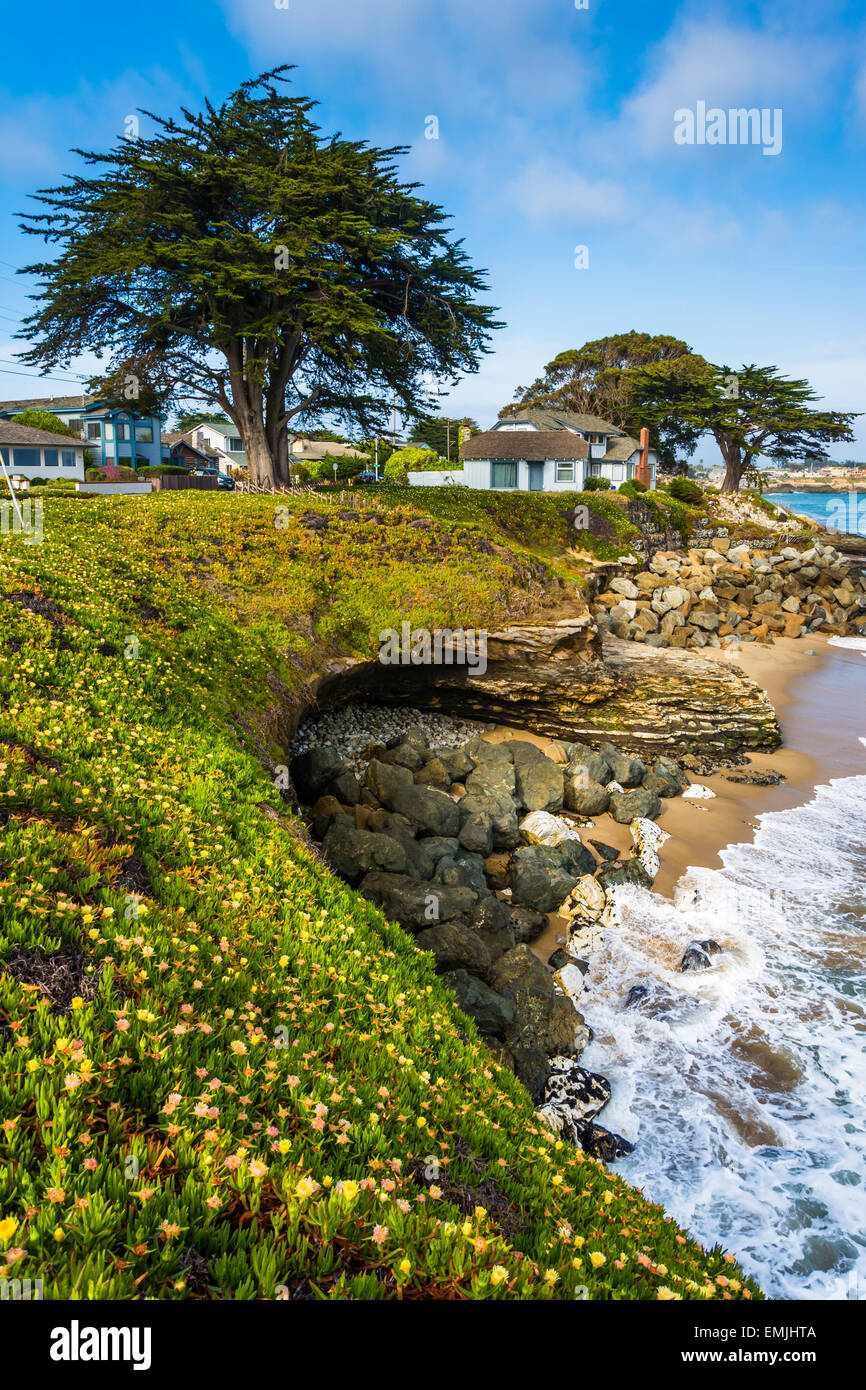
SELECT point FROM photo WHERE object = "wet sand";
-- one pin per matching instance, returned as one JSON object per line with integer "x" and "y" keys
{"x": 821, "y": 703}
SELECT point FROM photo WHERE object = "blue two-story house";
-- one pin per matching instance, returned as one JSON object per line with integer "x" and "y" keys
{"x": 117, "y": 434}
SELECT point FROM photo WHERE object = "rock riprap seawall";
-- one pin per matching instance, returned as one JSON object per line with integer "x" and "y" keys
{"x": 469, "y": 849}
{"x": 733, "y": 593}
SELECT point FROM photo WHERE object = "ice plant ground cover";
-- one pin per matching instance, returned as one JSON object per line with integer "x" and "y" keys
{"x": 222, "y": 1074}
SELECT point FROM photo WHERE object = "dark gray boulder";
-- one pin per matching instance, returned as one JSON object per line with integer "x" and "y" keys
{"x": 539, "y": 784}
{"x": 416, "y": 905}
{"x": 385, "y": 781}
{"x": 492, "y": 1013}
{"x": 492, "y": 778}
{"x": 628, "y": 771}
{"x": 539, "y": 878}
{"x": 432, "y": 811}
{"x": 346, "y": 788}
{"x": 491, "y": 919}
{"x": 455, "y": 947}
{"x": 583, "y": 794}
{"x": 575, "y": 857}
{"x": 598, "y": 767}
{"x": 667, "y": 778}
{"x": 405, "y": 754}
{"x": 314, "y": 770}
{"x": 476, "y": 830}
{"x": 695, "y": 958}
{"x": 434, "y": 774}
{"x": 523, "y": 752}
{"x": 352, "y": 853}
{"x": 628, "y": 806}
{"x": 526, "y": 923}
{"x": 503, "y": 815}
{"x": 629, "y": 871}
{"x": 607, "y": 852}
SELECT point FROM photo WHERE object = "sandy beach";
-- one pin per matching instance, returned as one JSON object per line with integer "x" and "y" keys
{"x": 818, "y": 692}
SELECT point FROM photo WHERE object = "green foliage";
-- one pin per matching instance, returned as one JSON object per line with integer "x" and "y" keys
{"x": 443, "y": 435}
{"x": 686, "y": 490}
{"x": 44, "y": 420}
{"x": 187, "y": 422}
{"x": 163, "y": 470}
{"x": 240, "y": 243}
{"x": 409, "y": 460}
{"x": 597, "y": 485}
{"x": 751, "y": 412}
{"x": 94, "y": 475}
{"x": 632, "y": 488}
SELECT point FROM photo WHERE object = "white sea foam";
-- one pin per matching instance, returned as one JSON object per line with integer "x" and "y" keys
{"x": 743, "y": 1085}
{"x": 858, "y": 644}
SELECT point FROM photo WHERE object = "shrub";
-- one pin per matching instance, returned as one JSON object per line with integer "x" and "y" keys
{"x": 404, "y": 461}
{"x": 633, "y": 488}
{"x": 685, "y": 490}
{"x": 163, "y": 470}
{"x": 597, "y": 485}
{"x": 94, "y": 475}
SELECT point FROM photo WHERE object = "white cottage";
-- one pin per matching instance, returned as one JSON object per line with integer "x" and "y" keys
{"x": 30, "y": 453}
{"x": 548, "y": 451}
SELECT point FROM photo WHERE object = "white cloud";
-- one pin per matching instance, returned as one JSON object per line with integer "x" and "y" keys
{"x": 724, "y": 66}
{"x": 547, "y": 190}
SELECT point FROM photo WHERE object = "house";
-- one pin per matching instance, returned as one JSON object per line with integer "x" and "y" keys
{"x": 117, "y": 434}
{"x": 549, "y": 451}
{"x": 186, "y": 455}
{"x": 30, "y": 453}
{"x": 314, "y": 450}
{"x": 221, "y": 440}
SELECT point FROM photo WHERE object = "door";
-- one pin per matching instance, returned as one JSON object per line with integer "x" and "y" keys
{"x": 536, "y": 477}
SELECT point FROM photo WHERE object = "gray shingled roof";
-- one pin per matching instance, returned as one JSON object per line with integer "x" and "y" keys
{"x": 532, "y": 445}
{"x": 50, "y": 403}
{"x": 10, "y": 433}
{"x": 622, "y": 448}
{"x": 562, "y": 419}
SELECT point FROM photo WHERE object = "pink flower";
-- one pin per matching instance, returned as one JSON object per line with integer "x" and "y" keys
{"x": 318, "y": 1123}
{"x": 233, "y": 1162}
{"x": 90, "y": 1163}
{"x": 214, "y": 1203}
{"x": 293, "y": 1081}
{"x": 122, "y": 1025}
{"x": 380, "y": 1234}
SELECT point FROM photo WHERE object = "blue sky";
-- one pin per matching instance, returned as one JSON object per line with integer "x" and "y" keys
{"x": 555, "y": 131}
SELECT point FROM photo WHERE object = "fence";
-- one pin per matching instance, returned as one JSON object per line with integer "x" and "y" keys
{"x": 170, "y": 481}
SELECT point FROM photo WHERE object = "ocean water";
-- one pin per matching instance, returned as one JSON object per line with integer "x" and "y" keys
{"x": 844, "y": 511}
{"x": 743, "y": 1086}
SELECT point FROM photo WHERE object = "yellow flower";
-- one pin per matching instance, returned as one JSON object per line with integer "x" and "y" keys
{"x": 59, "y": 1233}
{"x": 597, "y": 1259}
{"x": 284, "y": 1146}
{"x": 284, "y": 960}
{"x": 350, "y": 1190}
{"x": 550, "y": 1276}
{"x": 78, "y": 1002}
{"x": 8, "y": 1227}
{"x": 466, "y": 1228}
{"x": 608, "y": 1197}
{"x": 306, "y": 1187}
{"x": 498, "y": 1274}
{"x": 667, "y": 1294}
{"x": 405, "y": 1267}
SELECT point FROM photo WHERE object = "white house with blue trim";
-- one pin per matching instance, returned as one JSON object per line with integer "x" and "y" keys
{"x": 114, "y": 434}
{"x": 28, "y": 453}
{"x": 548, "y": 451}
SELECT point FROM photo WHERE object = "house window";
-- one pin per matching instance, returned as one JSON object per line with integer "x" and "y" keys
{"x": 94, "y": 429}
{"x": 27, "y": 458}
{"x": 50, "y": 458}
{"x": 68, "y": 458}
{"x": 234, "y": 445}
{"x": 123, "y": 431}
{"x": 79, "y": 426}
{"x": 503, "y": 474}
{"x": 595, "y": 470}
{"x": 617, "y": 472}
{"x": 565, "y": 471}
{"x": 144, "y": 434}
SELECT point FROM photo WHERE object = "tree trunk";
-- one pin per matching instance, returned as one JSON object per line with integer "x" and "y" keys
{"x": 733, "y": 474}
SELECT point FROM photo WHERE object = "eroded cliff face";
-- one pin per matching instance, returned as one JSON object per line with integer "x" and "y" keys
{"x": 563, "y": 680}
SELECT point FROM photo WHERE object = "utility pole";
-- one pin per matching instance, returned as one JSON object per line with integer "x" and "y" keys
{"x": 448, "y": 436}
{"x": 394, "y": 422}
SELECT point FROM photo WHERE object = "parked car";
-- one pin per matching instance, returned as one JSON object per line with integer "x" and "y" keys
{"x": 367, "y": 478}
{"x": 224, "y": 482}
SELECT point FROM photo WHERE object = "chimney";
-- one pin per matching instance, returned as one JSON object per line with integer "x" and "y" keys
{"x": 643, "y": 473}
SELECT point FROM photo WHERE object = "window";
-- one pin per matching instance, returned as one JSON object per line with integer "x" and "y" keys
{"x": 565, "y": 472}
{"x": 94, "y": 429}
{"x": 68, "y": 458}
{"x": 27, "y": 458}
{"x": 108, "y": 430}
{"x": 503, "y": 474}
{"x": 144, "y": 434}
{"x": 79, "y": 426}
{"x": 595, "y": 470}
{"x": 234, "y": 445}
{"x": 617, "y": 472}
{"x": 50, "y": 457}
{"x": 123, "y": 431}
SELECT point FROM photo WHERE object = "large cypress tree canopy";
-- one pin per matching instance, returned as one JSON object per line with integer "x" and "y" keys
{"x": 238, "y": 257}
